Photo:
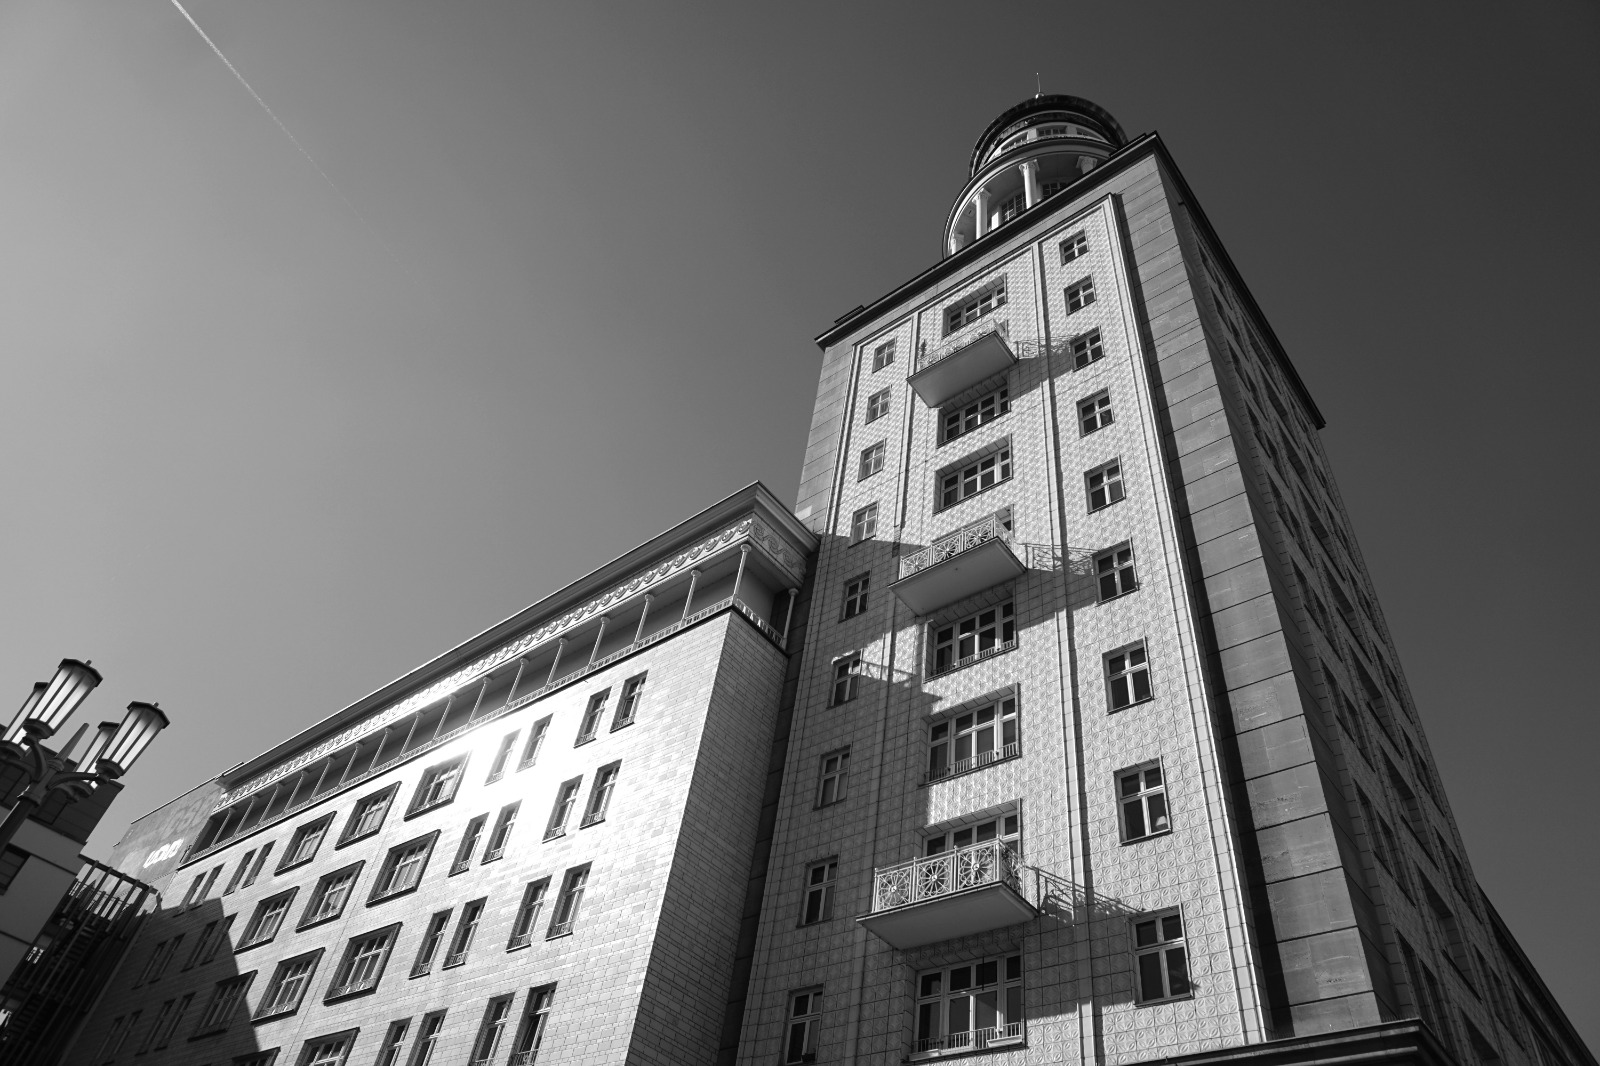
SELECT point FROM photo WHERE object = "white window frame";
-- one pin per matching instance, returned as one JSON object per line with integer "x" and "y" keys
{"x": 872, "y": 460}
{"x": 1095, "y": 413}
{"x": 600, "y": 793}
{"x": 877, "y": 405}
{"x": 1073, "y": 247}
{"x": 1080, "y": 294}
{"x": 1087, "y": 349}
{"x": 502, "y": 756}
{"x": 833, "y": 778}
{"x": 469, "y": 844}
{"x": 331, "y": 1050}
{"x": 569, "y": 902}
{"x": 975, "y": 476}
{"x": 438, "y": 785}
{"x": 802, "y": 1026}
{"x": 855, "y": 596}
{"x": 318, "y": 908}
{"x": 226, "y": 996}
{"x": 1128, "y": 664}
{"x": 432, "y": 939}
{"x": 504, "y": 822}
{"x": 364, "y": 960}
{"x": 486, "y": 1046}
{"x": 1116, "y": 563}
{"x": 536, "y": 737}
{"x": 1111, "y": 485}
{"x": 530, "y": 1031}
{"x": 466, "y": 932}
{"x": 1005, "y": 827}
{"x": 883, "y": 355}
{"x": 266, "y": 911}
{"x": 846, "y": 679}
{"x": 1163, "y": 948}
{"x": 864, "y": 523}
{"x": 982, "y": 732}
{"x": 1135, "y": 789}
{"x": 561, "y": 809}
{"x": 972, "y": 639}
{"x": 420, "y": 849}
{"x": 374, "y": 808}
{"x": 816, "y": 903}
{"x": 300, "y": 970}
{"x": 974, "y": 308}
{"x": 303, "y": 844}
{"x": 593, "y": 711}
{"x": 941, "y": 1007}
{"x": 958, "y": 422}
{"x": 522, "y": 926}
{"x": 628, "y": 701}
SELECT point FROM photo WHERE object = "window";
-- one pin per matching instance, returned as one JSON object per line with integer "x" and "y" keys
{"x": 427, "y": 1037}
{"x": 882, "y": 355}
{"x": 958, "y": 422}
{"x": 490, "y": 1030}
{"x": 528, "y": 913}
{"x": 162, "y": 957}
{"x": 971, "y": 1006}
{"x": 1142, "y": 799}
{"x": 530, "y": 752}
{"x": 438, "y": 785}
{"x": 394, "y": 1042}
{"x": 502, "y": 755}
{"x": 1074, "y": 246}
{"x": 239, "y": 871}
{"x": 502, "y": 831}
{"x": 288, "y": 986}
{"x": 1113, "y": 569}
{"x": 877, "y": 405}
{"x": 217, "y": 941}
{"x": 367, "y": 816}
{"x": 304, "y": 844}
{"x": 991, "y": 630}
{"x": 120, "y": 1038}
{"x": 566, "y": 796}
{"x": 591, "y": 717}
{"x": 1128, "y": 677}
{"x": 194, "y": 890}
{"x": 432, "y": 937}
{"x": 466, "y": 930}
{"x": 855, "y": 596}
{"x": 1105, "y": 485}
{"x": 267, "y": 919}
{"x": 261, "y": 860}
{"x": 202, "y": 887}
{"x": 605, "y": 782}
{"x": 819, "y": 891}
{"x": 846, "y": 679}
{"x": 402, "y": 868}
{"x": 1087, "y": 349}
{"x": 469, "y": 843}
{"x": 162, "y": 1032}
{"x": 974, "y": 308}
{"x": 1094, "y": 413}
{"x": 530, "y": 1034}
{"x": 1080, "y": 295}
{"x": 224, "y": 1002}
{"x": 566, "y": 912}
{"x": 835, "y": 774}
{"x": 1006, "y": 828}
{"x": 158, "y": 1029}
{"x": 1159, "y": 956}
{"x": 362, "y": 966}
{"x": 975, "y": 478}
{"x": 972, "y": 739}
{"x": 864, "y": 524}
{"x": 628, "y": 705}
{"x": 327, "y": 1050}
{"x": 871, "y": 461}
{"x": 258, "y": 1058}
{"x": 204, "y": 942}
{"x": 805, "y": 1019}
{"x": 331, "y": 894}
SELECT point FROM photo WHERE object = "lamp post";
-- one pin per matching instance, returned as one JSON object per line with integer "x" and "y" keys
{"x": 110, "y": 754}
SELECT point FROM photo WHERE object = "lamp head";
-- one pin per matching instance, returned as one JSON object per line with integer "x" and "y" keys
{"x": 140, "y": 726}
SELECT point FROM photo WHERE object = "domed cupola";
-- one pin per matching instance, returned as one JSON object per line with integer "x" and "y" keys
{"x": 1029, "y": 153}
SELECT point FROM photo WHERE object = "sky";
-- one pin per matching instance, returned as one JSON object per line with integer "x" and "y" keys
{"x": 283, "y": 424}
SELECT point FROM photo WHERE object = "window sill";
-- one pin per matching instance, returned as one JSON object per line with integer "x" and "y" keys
{"x": 587, "y": 822}
{"x": 419, "y": 811}
{"x": 496, "y": 857}
{"x": 1163, "y": 1001}
{"x": 241, "y": 947}
{"x": 1118, "y": 596}
{"x": 353, "y": 993}
{"x": 283, "y": 868}
{"x": 375, "y": 900}
{"x": 1128, "y": 706}
{"x": 1104, "y": 506}
{"x": 303, "y": 926}
{"x": 581, "y": 741}
{"x": 257, "y": 1019}
{"x": 1147, "y": 836}
{"x": 347, "y": 841}
{"x": 557, "y": 934}
{"x": 625, "y": 723}
{"x": 962, "y": 664}
{"x": 555, "y": 834}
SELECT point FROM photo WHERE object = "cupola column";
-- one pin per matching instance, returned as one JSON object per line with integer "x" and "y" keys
{"x": 1030, "y": 181}
{"x": 980, "y": 208}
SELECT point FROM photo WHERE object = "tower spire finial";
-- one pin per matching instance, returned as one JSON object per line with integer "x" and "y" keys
{"x": 1038, "y": 86}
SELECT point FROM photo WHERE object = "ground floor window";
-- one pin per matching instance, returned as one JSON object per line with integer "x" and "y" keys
{"x": 970, "y": 1006}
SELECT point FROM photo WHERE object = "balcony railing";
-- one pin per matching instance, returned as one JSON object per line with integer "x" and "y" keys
{"x": 990, "y": 863}
{"x": 973, "y": 1039}
{"x": 976, "y": 762}
{"x": 558, "y": 929}
{"x": 962, "y": 540}
{"x": 942, "y": 897}
{"x": 973, "y": 558}
{"x": 971, "y": 354}
{"x": 964, "y": 338}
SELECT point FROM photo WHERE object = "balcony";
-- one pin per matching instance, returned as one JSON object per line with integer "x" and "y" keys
{"x": 969, "y": 890}
{"x": 946, "y": 370}
{"x": 967, "y": 561}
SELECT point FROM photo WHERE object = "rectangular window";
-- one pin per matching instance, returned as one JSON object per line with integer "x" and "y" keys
{"x": 1080, "y": 295}
{"x": 502, "y": 755}
{"x": 566, "y": 796}
{"x": 502, "y": 831}
{"x": 239, "y": 871}
{"x": 855, "y": 596}
{"x": 1142, "y": 799}
{"x": 882, "y": 355}
{"x": 969, "y": 1007}
{"x": 805, "y": 1020}
{"x": 985, "y": 473}
{"x": 133, "y": 1024}
{"x": 466, "y": 930}
{"x": 427, "y": 1039}
{"x": 364, "y": 959}
{"x": 877, "y": 405}
{"x": 267, "y": 919}
{"x": 592, "y": 713}
{"x": 160, "y": 963}
{"x": 530, "y": 1034}
{"x": 204, "y": 942}
{"x": 367, "y": 816}
{"x": 224, "y": 1003}
{"x": 217, "y": 941}
{"x": 259, "y": 1058}
{"x": 835, "y": 775}
{"x": 11, "y": 862}
{"x": 1006, "y": 828}
{"x": 605, "y": 782}
{"x": 1094, "y": 413}
{"x": 628, "y": 704}
{"x": 304, "y": 843}
{"x": 163, "y": 1035}
{"x": 194, "y": 890}
{"x": 469, "y": 843}
{"x": 1159, "y": 957}
{"x": 403, "y": 867}
{"x": 394, "y": 1043}
{"x": 491, "y": 1030}
{"x": 438, "y": 785}
{"x": 973, "y": 308}
{"x": 1128, "y": 677}
{"x": 432, "y": 937}
{"x": 864, "y": 524}
{"x": 973, "y": 739}
{"x": 846, "y": 679}
{"x": 1074, "y": 246}
{"x": 331, "y": 894}
{"x": 205, "y": 886}
{"x": 1113, "y": 570}
{"x": 819, "y": 891}
{"x": 1087, "y": 349}
{"x": 288, "y": 986}
{"x": 528, "y": 913}
{"x": 158, "y": 1029}
{"x": 871, "y": 460}
{"x": 1105, "y": 485}
{"x": 261, "y": 860}
{"x": 991, "y": 630}
{"x": 568, "y": 902}
{"x": 960, "y": 421}
{"x": 114, "y": 1037}
{"x": 328, "y": 1050}
{"x": 530, "y": 752}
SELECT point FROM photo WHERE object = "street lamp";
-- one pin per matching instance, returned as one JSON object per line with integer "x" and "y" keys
{"x": 110, "y": 754}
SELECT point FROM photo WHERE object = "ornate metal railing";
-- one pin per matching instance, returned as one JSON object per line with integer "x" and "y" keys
{"x": 976, "y": 762}
{"x": 964, "y": 338}
{"x": 972, "y": 1039}
{"x": 990, "y": 863}
{"x": 962, "y": 540}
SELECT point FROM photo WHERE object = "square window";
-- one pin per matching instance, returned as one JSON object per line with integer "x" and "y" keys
{"x": 1080, "y": 295}
{"x": 820, "y": 877}
{"x": 1094, "y": 413}
{"x": 846, "y": 679}
{"x": 1104, "y": 485}
{"x": 267, "y": 919}
{"x": 871, "y": 461}
{"x": 333, "y": 891}
{"x": 438, "y": 786}
{"x": 805, "y": 1020}
{"x": 304, "y": 843}
{"x": 628, "y": 704}
{"x": 864, "y": 524}
{"x": 566, "y": 796}
{"x": 366, "y": 817}
{"x": 567, "y": 904}
{"x": 978, "y": 476}
{"x": 1074, "y": 246}
{"x": 973, "y": 739}
{"x": 882, "y": 355}
{"x": 975, "y": 307}
{"x": 877, "y": 405}
{"x": 288, "y": 986}
{"x": 855, "y": 596}
{"x": 362, "y": 966}
{"x": 958, "y": 422}
{"x": 1087, "y": 349}
{"x": 402, "y": 867}
{"x": 605, "y": 783}
{"x": 328, "y": 1050}
{"x": 1128, "y": 676}
{"x": 1160, "y": 959}
{"x": 991, "y": 630}
{"x": 970, "y": 1006}
{"x": 1113, "y": 570}
{"x": 1142, "y": 801}
{"x": 833, "y": 778}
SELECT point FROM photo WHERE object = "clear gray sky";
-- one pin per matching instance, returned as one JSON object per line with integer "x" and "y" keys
{"x": 265, "y": 449}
